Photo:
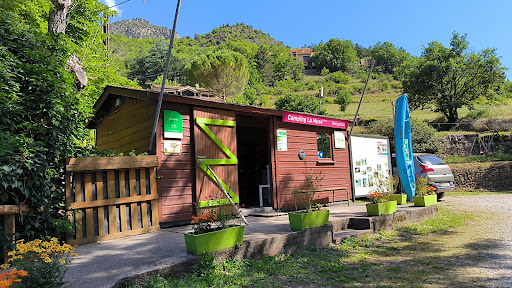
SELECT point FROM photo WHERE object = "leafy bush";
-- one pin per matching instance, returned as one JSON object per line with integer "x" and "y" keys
{"x": 339, "y": 77}
{"x": 396, "y": 85}
{"x": 299, "y": 103}
{"x": 312, "y": 85}
{"x": 424, "y": 138}
{"x": 327, "y": 100}
{"x": 384, "y": 86}
{"x": 324, "y": 71}
{"x": 344, "y": 98}
{"x": 357, "y": 88}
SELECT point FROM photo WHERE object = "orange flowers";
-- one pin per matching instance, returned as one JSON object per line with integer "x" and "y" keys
{"x": 11, "y": 277}
{"x": 206, "y": 217}
{"x": 377, "y": 197}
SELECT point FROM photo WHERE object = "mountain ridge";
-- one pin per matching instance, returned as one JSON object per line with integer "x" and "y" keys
{"x": 141, "y": 29}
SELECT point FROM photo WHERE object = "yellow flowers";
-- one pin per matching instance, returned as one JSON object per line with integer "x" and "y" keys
{"x": 37, "y": 250}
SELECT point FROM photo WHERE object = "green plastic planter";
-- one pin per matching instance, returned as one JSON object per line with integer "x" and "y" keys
{"x": 424, "y": 201}
{"x": 214, "y": 241}
{"x": 303, "y": 221}
{"x": 401, "y": 199}
{"x": 383, "y": 208}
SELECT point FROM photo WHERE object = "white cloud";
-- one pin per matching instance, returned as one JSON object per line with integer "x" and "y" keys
{"x": 111, "y": 3}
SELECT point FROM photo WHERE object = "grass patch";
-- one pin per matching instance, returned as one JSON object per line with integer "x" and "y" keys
{"x": 466, "y": 193}
{"x": 479, "y": 158}
{"x": 445, "y": 220}
{"x": 386, "y": 259}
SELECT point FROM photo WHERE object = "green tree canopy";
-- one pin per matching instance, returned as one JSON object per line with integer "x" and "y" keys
{"x": 335, "y": 55}
{"x": 449, "y": 78}
{"x": 225, "y": 72}
{"x": 147, "y": 67}
{"x": 388, "y": 57}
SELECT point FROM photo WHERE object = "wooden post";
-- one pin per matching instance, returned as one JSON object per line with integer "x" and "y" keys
{"x": 9, "y": 228}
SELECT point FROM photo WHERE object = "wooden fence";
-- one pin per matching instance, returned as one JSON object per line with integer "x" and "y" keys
{"x": 111, "y": 197}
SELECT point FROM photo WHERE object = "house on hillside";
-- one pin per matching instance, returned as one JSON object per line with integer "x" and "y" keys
{"x": 186, "y": 91}
{"x": 302, "y": 54}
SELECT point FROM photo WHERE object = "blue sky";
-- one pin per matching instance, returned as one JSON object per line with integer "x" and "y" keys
{"x": 408, "y": 24}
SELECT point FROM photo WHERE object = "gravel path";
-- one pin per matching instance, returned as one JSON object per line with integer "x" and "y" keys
{"x": 488, "y": 237}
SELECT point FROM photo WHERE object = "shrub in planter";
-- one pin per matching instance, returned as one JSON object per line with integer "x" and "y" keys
{"x": 214, "y": 230}
{"x": 304, "y": 196}
{"x": 400, "y": 198}
{"x": 425, "y": 194}
{"x": 380, "y": 204}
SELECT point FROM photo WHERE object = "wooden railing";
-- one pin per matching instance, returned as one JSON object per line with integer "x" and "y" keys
{"x": 111, "y": 197}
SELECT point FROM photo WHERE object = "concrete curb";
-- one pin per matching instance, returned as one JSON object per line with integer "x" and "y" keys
{"x": 287, "y": 243}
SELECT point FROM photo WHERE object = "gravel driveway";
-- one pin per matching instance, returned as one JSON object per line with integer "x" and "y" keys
{"x": 488, "y": 237}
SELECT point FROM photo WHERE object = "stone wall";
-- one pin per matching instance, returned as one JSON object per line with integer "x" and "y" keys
{"x": 491, "y": 176}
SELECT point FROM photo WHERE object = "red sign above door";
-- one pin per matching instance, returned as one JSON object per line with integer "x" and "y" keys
{"x": 314, "y": 120}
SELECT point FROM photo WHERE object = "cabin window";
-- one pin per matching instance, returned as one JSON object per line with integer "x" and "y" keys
{"x": 323, "y": 141}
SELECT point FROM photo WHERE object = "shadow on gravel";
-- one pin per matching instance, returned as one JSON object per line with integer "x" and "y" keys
{"x": 420, "y": 263}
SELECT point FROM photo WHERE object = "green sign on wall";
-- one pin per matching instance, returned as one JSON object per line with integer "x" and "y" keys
{"x": 173, "y": 124}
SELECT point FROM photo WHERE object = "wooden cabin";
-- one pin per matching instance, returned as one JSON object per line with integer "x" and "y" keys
{"x": 254, "y": 151}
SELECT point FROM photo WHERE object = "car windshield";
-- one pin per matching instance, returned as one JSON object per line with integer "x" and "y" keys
{"x": 430, "y": 159}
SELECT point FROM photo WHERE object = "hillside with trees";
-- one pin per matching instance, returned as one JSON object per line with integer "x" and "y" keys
{"x": 339, "y": 66}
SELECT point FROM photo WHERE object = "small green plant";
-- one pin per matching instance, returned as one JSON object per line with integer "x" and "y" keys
{"x": 423, "y": 188}
{"x": 305, "y": 194}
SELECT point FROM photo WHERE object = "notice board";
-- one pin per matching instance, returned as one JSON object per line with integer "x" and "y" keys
{"x": 370, "y": 163}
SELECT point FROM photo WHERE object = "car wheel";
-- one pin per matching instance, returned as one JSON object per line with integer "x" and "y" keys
{"x": 440, "y": 196}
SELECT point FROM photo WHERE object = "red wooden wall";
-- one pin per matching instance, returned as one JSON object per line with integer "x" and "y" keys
{"x": 289, "y": 170}
{"x": 175, "y": 187}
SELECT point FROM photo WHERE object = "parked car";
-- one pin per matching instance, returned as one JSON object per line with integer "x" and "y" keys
{"x": 438, "y": 173}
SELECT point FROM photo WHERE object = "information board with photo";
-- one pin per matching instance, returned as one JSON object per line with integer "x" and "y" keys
{"x": 370, "y": 163}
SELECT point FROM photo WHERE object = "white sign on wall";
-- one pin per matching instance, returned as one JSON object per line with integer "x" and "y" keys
{"x": 282, "y": 141}
{"x": 370, "y": 163}
{"x": 339, "y": 140}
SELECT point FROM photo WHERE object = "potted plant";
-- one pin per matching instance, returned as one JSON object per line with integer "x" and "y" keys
{"x": 312, "y": 216}
{"x": 214, "y": 230}
{"x": 395, "y": 195}
{"x": 380, "y": 203}
{"x": 425, "y": 194}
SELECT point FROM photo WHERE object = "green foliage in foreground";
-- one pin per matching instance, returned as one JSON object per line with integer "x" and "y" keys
{"x": 371, "y": 261}
{"x": 41, "y": 123}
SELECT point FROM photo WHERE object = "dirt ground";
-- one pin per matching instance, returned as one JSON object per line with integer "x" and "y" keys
{"x": 483, "y": 247}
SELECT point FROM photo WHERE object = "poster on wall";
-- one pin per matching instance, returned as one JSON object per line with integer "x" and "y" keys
{"x": 173, "y": 124}
{"x": 282, "y": 141}
{"x": 172, "y": 147}
{"x": 370, "y": 163}
{"x": 339, "y": 140}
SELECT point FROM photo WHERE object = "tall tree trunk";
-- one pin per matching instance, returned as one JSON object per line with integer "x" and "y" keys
{"x": 57, "y": 24}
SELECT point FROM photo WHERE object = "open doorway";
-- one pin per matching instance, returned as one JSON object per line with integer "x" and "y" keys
{"x": 253, "y": 160}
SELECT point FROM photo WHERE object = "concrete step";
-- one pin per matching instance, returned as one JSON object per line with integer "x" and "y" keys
{"x": 261, "y": 211}
{"x": 339, "y": 236}
{"x": 339, "y": 224}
